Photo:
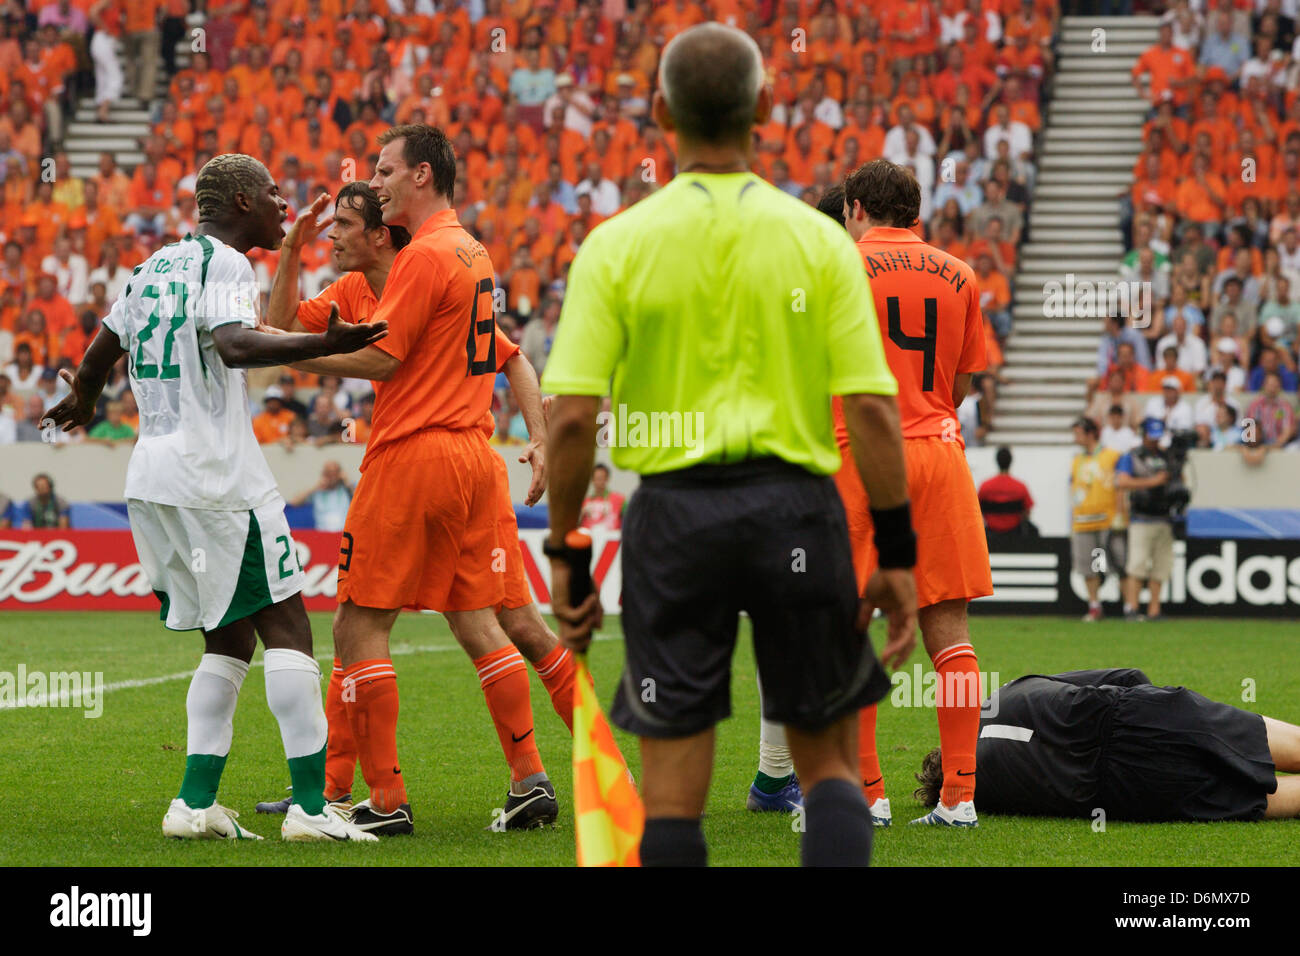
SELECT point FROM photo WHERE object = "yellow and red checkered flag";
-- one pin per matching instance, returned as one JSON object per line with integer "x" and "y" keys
{"x": 607, "y": 810}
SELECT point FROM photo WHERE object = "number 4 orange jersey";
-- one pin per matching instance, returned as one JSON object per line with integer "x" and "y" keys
{"x": 927, "y": 303}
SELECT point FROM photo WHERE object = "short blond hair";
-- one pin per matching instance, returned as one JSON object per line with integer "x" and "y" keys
{"x": 222, "y": 178}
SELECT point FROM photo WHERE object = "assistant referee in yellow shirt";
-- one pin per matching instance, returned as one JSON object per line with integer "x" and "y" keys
{"x": 726, "y": 314}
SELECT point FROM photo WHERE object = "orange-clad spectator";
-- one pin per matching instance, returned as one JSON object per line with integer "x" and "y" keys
{"x": 995, "y": 294}
{"x": 101, "y": 221}
{"x": 959, "y": 69}
{"x": 251, "y": 140}
{"x": 33, "y": 249}
{"x": 494, "y": 29}
{"x": 948, "y": 239}
{"x": 1170, "y": 69}
{"x": 24, "y": 136}
{"x": 523, "y": 280}
{"x": 259, "y": 28}
{"x": 34, "y": 336}
{"x": 670, "y": 19}
{"x": 285, "y": 96}
{"x": 149, "y": 199}
{"x": 922, "y": 104}
{"x": 1022, "y": 58}
{"x": 992, "y": 244}
{"x": 73, "y": 344}
{"x": 178, "y": 133}
{"x": 801, "y": 157}
{"x": 568, "y": 248}
{"x": 525, "y": 140}
{"x": 253, "y": 74}
{"x": 494, "y": 242}
{"x": 50, "y": 215}
{"x": 205, "y": 80}
{"x": 313, "y": 49}
{"x": 1023, "y": 109}
{"x": 1237, "y": 242}
{"x": 58, "y": 312}
{"x": 272, "y": 423}
{"x": 1203, "y": 198}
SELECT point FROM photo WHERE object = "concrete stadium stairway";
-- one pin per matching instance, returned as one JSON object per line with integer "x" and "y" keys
{"x": 1090, "y": 140}
{"x": 128, "y": 121}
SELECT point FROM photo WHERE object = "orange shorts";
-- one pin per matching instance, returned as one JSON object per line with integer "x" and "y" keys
{"x": 422, "y": 528}
{"x": 516, "y": 581}
{"x": 952, "y": 554}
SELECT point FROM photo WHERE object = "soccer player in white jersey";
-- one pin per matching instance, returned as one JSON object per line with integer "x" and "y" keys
{"x": 206, "y": 516}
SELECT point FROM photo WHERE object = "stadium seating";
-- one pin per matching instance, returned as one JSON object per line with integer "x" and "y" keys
{"x": 546, "y": 103}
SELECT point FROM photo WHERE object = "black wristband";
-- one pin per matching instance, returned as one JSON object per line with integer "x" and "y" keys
{"x": 895, "y": 540}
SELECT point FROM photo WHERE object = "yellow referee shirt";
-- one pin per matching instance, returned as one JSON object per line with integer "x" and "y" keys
{"x": 721, "y": 315}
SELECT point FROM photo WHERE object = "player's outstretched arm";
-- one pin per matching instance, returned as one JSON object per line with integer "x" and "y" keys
{"x": 86, "y": 384}
{"x": 242, "y": 347}
{"x": 528, "y": 393}
{"x": 282, "y": 307}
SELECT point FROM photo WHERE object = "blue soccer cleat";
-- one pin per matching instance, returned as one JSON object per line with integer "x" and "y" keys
{"x": 962, "y": 815}
{"x": 786, "y": 800}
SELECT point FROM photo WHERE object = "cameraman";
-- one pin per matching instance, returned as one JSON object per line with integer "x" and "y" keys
{"x": 1146, "y": 471}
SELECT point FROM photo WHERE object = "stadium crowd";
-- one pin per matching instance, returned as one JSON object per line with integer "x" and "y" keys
{"x": 1214, "y": 235}
{"x": 547, "y": 105}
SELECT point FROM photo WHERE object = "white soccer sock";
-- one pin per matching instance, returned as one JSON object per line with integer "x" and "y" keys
{"x": 210, "y": 704}
{"x": 293, "y": 693}
{"x": 773, "y": 751}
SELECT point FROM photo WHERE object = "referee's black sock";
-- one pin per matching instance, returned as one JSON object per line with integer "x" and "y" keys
{"x": 673, "y": 841}
{"x": 837, "y": 825}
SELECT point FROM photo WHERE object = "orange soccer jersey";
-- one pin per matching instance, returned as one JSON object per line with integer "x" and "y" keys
{"x": 424, "y": 440}
{"x": 927, "y": 302}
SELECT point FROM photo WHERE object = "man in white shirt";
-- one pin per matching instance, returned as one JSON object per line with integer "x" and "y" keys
{"x": 578, "y": 107}
{"x": 1192, "y": 354}
{"x": 897, "y": 148}
{"x": 1016, "y": 133}
{"x": 1207, "y": 405}
{"x": 70, "y": 271}
{"x": 605, "y": 197}
{"x": 1116, "y": 434}
{"x": 1169, "y": 407}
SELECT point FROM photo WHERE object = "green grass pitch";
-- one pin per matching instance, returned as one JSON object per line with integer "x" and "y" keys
{"x": 92, "y": 792}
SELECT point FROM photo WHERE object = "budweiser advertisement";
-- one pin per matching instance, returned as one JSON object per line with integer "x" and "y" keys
{"x": 98, "y": 570}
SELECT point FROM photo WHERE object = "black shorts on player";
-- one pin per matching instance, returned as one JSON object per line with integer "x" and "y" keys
{"x": 702, "y": 544}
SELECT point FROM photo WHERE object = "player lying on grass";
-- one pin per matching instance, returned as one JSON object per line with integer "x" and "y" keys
{"x": 206, "y": 517}
{"x": 363, "y": 250}
{"x": 1072, "y": 744}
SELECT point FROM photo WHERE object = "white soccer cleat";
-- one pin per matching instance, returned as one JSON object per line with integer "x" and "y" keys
{"x": 216, "y": 822}
{"x": 962, "y": 815}
{"x": 880, "y": 813}
{"x": 330, "y": 824}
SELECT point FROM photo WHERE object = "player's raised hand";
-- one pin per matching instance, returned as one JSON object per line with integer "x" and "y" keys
{"x": 893, "y": 590}
{"x": 343, "y": 337}
{"x": 74, "y": 409}
{"x": 536, "y": 457}
{"x": 305, "y": 229}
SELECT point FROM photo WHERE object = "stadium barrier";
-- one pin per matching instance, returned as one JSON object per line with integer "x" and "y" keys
{"x": 75, "y": 570}
{"x": 98, "y": 570}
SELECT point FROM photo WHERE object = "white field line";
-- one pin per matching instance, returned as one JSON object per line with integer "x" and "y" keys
{"x": 66, "y": 698}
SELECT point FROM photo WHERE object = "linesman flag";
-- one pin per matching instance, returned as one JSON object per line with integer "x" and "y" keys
{"x": 607, "y": 809}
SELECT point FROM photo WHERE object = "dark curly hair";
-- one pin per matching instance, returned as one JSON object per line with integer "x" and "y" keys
{"x": 930, "y": 779}
{"x": 888, "y": 193}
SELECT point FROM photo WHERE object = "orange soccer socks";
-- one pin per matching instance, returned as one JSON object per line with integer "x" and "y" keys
{"x": 368, "y": 692}
{"x": 503, "y": 676}
{"x": 873, "y": 780}
{"x": 958, "y": 702}
{"x": 558, "y": 672}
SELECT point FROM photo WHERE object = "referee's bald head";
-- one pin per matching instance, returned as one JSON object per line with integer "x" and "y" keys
{"x": 711, "y": 84}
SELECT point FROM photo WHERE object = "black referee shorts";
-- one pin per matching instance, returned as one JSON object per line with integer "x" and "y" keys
{"x": 1173, "y": 754}
{"x": 703, "y": 544}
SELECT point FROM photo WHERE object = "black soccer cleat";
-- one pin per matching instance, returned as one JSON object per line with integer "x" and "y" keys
{"x": 528, "y": 811}
{"x": 398, "y": 823}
